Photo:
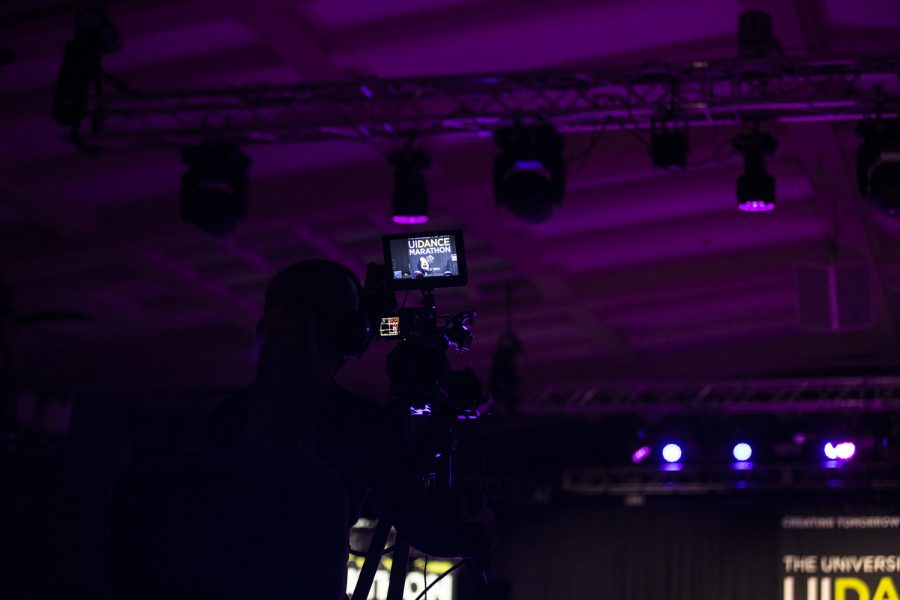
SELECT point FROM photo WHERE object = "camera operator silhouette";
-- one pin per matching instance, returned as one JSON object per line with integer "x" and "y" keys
{"x": 312, "y": 324}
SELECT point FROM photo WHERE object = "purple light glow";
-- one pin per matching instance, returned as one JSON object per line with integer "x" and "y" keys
{"x": 756, "y": 206}
{"x": 671, "y": 453}
{"x": 640, "y": 454}
{"x": 410, "y": 219}
{"x": 366, "y": 91}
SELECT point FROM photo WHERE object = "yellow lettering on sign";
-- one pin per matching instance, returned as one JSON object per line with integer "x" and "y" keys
{"x": 843, "y": 584}
{"x": 885, "y": 590}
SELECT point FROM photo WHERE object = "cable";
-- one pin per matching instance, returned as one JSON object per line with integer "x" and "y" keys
{"x": 444, "y": 574}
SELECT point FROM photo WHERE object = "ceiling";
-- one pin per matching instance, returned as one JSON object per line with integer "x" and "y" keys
{"x": 639, "y": 275}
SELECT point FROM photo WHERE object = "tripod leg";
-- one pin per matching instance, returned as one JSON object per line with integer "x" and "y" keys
{"x": 373, "y": 559}
{"x": 398, "y": 571}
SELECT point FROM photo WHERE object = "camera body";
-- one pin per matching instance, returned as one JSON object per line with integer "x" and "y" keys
{"x": 418, "y": 367}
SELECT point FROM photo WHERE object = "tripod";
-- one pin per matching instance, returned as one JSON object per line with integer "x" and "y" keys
{"x": 399, "y": 567}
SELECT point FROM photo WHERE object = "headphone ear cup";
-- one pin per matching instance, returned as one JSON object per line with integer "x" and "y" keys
{"x": 353, "y": 336}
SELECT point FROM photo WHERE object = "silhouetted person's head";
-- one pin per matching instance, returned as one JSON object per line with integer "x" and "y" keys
{"x": 317, "y": 300}
{"x": 310, "y": 326}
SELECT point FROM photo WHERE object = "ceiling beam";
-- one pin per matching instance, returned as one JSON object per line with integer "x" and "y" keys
{"x": 203, "y": 290}
{"x": 49, "y": 213}
{"x": 281, "y": 27}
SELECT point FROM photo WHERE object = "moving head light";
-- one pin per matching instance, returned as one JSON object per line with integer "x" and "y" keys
{"x": 756, "y": 187}
{"x": 214, "y": 190}
{"x": 530, "y": 173}
{"x": 878, "y": 164}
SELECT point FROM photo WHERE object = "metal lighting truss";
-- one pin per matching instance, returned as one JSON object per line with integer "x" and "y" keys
{"x": 845, "y": 396}
{"x": 691, "y": 479}
{"x": 720, "y": 92}
{"x": 777, "y": 396}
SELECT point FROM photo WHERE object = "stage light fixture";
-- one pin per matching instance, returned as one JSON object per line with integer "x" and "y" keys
{"x": 755, "y": 188}
{"x": 844, "y": 450}
{"x": 671, "y": 453}
{"x": 214, "y": 190}
{"x": 878, "y": 163}
{"x": 80, "y": 68}
{"x": 742, "y": 452}
{"x": 410, "y": 200}
{"x": 668, "y": 149}
{"x": 640, "y": 454}
{"x": 530, "y": 172}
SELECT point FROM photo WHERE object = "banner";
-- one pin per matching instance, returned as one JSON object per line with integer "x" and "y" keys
{"x": 840, "y": 557}
{"x": 419, "y": 573}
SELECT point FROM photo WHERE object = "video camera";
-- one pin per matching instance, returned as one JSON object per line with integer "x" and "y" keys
{"x": 418, "y": 368}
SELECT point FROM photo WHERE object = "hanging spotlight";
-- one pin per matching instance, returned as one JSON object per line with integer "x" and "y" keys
{"x": 214, "y": 190}
{"x": 530, "y": 173}
{"x": 878, "y": 163}
{"x": 504, "y": 382}
{"x": 410, "y": 201}
{"x": 669, "y": 149}
{"x": 755, "y": 188}
{"x": 95, "y": 35}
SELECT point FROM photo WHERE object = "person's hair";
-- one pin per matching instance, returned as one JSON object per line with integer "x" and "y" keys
{"x": 304, "y": 309}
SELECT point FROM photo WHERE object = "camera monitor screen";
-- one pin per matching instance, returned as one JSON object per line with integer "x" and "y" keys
{"x": 425, "y": 260}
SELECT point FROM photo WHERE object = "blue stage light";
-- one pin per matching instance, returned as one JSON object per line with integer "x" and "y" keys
{"x": 843, "y": 450}
{"x": 742, "y": 452}
{"x": 671, "y": 453}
